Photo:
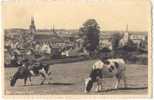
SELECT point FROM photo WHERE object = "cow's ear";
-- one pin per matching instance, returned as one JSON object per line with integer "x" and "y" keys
{"x": 116, "y": 64}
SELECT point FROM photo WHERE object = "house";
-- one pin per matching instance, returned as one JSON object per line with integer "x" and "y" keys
{"x": 105, "y": 40}
{"x": 138, "y": 38}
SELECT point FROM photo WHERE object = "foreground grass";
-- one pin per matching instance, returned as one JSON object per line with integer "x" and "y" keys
{"x": 68, "y": 79}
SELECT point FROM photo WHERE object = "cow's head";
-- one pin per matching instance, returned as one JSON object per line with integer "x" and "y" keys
{"x": 88, "y": 85}
{"x": 13, "y": 81}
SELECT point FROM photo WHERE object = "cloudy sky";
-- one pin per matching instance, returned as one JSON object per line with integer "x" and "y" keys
{"x": 71, "y": 14}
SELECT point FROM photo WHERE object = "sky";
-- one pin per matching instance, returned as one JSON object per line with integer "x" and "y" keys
{"x": 71, "y": 14}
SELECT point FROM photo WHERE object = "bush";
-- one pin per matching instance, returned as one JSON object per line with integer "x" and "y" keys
{"x": 132, "y": 57}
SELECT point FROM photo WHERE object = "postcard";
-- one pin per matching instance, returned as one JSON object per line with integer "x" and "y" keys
{"x": 77, "y": 48}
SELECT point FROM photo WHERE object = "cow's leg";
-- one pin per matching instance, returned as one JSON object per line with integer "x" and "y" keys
{"x": 117, "y": 83}
{"x": 30, "y": 80}
{"x": 88, "y": 85}
{"x": 44, "y": 74}
{"x": 99, "y": 86}
{"x": 44, "y": 78}
{"x": 117, "y": 78}
{"x": 47, "y": 78}
{"x": 25, "y": 81}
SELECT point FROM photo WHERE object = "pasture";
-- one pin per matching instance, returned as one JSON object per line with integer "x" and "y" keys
{"x": 68, "y": 78}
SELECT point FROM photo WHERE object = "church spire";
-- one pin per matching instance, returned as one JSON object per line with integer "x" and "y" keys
{"x": 53, "y": 30}
{"x": 32, "y": 20}
{"x": 32, "y": 27}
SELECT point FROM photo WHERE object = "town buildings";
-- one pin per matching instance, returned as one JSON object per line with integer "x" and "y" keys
{"x": 62, "y": 39}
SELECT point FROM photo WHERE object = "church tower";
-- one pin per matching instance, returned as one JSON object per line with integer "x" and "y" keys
{"x": 53, "y": 30}
{"x": 124, "y": 40}
{"x": 32, "y": 27}
{"x": 126, "y": 33}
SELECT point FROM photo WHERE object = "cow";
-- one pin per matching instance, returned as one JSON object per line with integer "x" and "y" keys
{"x": 110, "y": 68}
{"x": 26, "y": 72}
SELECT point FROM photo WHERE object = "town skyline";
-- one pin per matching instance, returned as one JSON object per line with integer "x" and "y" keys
{"x": 67, "y": 29}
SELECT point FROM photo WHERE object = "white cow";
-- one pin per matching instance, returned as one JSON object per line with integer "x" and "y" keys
{"x": 114, "y": 68}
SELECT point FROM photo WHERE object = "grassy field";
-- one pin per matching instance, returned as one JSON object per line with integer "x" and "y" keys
{"x": 68, "y": 79}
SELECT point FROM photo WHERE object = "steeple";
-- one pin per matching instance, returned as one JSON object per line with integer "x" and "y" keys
{"x": 32, "y": 20}
{"x": 32, "y": 27}
{"x": 126, "y": 34}
{"x": 53, "y": 30}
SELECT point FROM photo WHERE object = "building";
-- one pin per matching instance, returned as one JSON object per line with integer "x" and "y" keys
{"x": 61, "y": 38}
{"x": 49, "y": 37}
{"x": 136, "y": 37}
{"x": 105, "y": 41}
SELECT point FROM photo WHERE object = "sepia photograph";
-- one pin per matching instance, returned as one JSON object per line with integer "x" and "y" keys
{"x": 77, "y": 48}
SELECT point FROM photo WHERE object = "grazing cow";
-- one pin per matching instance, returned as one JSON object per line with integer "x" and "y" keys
{"x": 106, "y": 69}
{"x": 25, "y": 72}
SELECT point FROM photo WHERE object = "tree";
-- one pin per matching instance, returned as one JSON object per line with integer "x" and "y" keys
{"x": 131, "y": 45}
{"x": 90, "y": 31}
{"x": 143, "y": 45}
{"x": 115, "y": 42}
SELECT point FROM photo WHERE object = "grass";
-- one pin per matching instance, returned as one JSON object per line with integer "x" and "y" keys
{"x": 68, "y": 78}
